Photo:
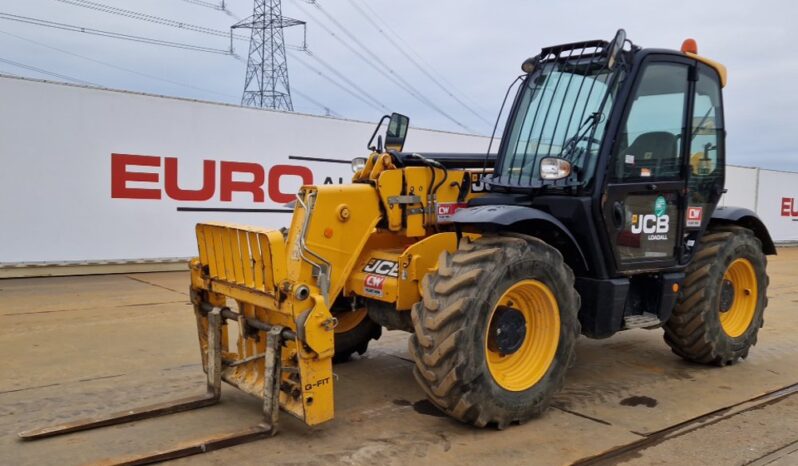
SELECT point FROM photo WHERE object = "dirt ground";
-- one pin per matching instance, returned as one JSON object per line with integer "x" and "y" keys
{"x": 77, "y": 346}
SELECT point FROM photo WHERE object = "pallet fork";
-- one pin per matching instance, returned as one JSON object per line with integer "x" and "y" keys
{"x": 275, "y": 335}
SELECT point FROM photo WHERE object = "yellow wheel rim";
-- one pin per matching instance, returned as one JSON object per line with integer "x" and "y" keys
{"x": 349, "y": 320}
{"x": 528, "y": 364}
{"x": 738, "y": 317}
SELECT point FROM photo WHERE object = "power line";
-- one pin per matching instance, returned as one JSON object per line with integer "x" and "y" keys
{"x": 68, "y": 27}
{"x": 348, "y": 81}
{"x": 219, "y": 33}
{"x": 352, "y": 49}
{"x": 340, "y": 86}
{"x": 381, "y": 67}
{"x": 121, "y": 68}
{"x": 408, "y": 87}
{"x": 422, "y": 68}
{"x": 328, "y": 110}
{"x": 215, "y": 6}
{"x": 427, "y": 65}
{"x": 101, "y": 7}
{"x": 113, "y": 35}
{"x": 48, "y": 73}
{"x": 164, "y": 21}
{"x": 150, "y": 18}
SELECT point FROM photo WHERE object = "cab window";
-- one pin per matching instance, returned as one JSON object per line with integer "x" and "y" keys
{"x": 705, "y": 177}
{"x": 650, "y": 141}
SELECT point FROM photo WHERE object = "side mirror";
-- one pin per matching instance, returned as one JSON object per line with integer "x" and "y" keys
{"x": 397, "y": 132}
{"x": 394, "y": 136}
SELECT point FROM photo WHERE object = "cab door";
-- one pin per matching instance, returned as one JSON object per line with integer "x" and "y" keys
{"x": 643, "y": 205}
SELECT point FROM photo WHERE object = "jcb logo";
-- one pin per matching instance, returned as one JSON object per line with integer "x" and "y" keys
{"x": 650, "y": 223}
{"x": 477, "y": 183}
{"x": 382, "y": 267}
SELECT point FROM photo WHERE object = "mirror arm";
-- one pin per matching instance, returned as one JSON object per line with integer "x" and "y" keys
{"x": 371, "y": 146}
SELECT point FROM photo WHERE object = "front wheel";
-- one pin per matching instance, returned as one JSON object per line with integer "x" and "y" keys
{"x": 496, "y": 329}
{"x": 353, "y": 333}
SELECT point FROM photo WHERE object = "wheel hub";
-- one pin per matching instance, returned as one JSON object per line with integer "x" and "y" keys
{"x": 726, "y": 295}
{"x": 507, "y": 330}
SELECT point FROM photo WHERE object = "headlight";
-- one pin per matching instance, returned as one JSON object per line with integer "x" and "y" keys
{"x": 529, "y": 65}
{"x": 553, "y": 168}
{"x": 358, "y": 163}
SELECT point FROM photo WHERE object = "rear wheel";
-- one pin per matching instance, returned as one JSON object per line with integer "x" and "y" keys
{"x": 496, "y": 329}
{"x": 720, "y": 310}
{"x": 353, "y": 333}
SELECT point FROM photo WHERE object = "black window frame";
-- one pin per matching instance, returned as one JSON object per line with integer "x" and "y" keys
{"x": 721, "y": 150}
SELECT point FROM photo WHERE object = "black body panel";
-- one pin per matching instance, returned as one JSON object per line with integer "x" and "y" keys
{"x": 603, "y": 304}
{"x": 451, "y": 160}
{"x": 487, "y": 216}
{"x": 748, "y": 219}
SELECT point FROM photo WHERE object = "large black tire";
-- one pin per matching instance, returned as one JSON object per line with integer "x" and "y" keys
{"x": 450, "y": 323}
{"x": 356, "y": 339}
{"x": 694, "y": 331}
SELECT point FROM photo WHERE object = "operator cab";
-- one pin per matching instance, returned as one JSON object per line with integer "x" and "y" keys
{"x": 631, "y": 138}
{"x": 614, "y": 154}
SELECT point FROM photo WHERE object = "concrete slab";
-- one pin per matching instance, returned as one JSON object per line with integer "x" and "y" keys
{"x": 77, "y": 346}
{"x": 768, "y": 435}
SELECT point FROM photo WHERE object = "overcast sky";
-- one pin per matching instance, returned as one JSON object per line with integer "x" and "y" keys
{"x": 475, "y": 47}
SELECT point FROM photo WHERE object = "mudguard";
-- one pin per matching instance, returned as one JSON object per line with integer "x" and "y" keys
{"x": 507, "y": 215}
{"x": 749, "y": 219}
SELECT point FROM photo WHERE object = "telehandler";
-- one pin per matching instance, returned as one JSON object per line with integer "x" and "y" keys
{"x": 599, "y": 213}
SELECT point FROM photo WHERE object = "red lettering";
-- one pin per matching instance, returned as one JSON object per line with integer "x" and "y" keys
{"x": 787, "y": 207}
{"x": 374, "y": 281}
{"x": 277, "y": 172}
{"x": 229, "y": 186}
{"x": 175, "y": 192}
{"x": 120, "y": 176}
{"x": 233, "y": 177}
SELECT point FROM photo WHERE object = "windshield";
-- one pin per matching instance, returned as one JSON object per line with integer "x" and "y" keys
{"x": 561, "y": 111}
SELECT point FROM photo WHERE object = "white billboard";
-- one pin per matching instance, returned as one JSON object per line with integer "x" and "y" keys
{"x": 90, "y": 175}
{"x": 101, "y": 175}
{"x": 777, "y": 204}
{"x": 741, "y": 187}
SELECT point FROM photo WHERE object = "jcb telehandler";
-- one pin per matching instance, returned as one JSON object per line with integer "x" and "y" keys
{"x": 598, "y": 213}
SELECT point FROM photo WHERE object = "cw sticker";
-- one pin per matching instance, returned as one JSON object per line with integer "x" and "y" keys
{"x": 446, "y": 210}
{"x": 372, "y": 285}
{"x": 694, "y": 216}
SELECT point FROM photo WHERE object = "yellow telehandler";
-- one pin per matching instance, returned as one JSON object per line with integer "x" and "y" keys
{"x": 599, "y": 213}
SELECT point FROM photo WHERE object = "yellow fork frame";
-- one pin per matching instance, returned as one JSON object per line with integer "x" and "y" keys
{"x": 287, "y": 282}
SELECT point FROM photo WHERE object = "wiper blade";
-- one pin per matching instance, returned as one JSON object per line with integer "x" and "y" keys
{"x": 587, "y": 126}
